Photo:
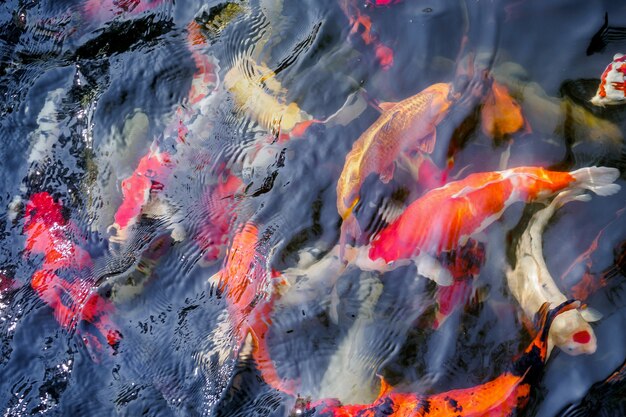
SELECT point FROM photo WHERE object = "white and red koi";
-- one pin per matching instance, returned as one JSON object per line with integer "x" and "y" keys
{"x": 50, "y": 234}
{"x": 446, "y": 217}
{"x": 612, "y": 89}
{"x": 532, "y": 284}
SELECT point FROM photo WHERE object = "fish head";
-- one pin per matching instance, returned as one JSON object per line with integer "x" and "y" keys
{"x": 572, "y": 334}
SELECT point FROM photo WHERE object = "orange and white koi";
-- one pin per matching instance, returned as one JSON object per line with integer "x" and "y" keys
{"x": 532, "y": 284}
{"x": 612, "y": 88}
{"x": 502, "y": 396}
{"x": 409, "y": 125}
{"x": 247, "y": 285}
{"x": 444, "y": 218}
{"x": 49, "y": 233}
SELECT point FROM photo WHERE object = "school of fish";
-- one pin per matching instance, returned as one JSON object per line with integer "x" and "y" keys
{"x": 438, "y": 232}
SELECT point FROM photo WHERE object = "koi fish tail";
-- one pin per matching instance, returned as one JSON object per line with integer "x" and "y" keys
{"x": 262, "y": 357}
{"x": 600, "y": 180}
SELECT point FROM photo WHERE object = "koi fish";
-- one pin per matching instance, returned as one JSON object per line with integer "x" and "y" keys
{"x": 103, "y": 11}
{"x": 362, "y": 25}
{"x": 217, "y": 207}
{"x": 612, "y": 88}
{"x": 379, "y": 3}
{"x": 246, "y": 283}
{"x": 501, "y": 396}
{"x": 444, "y": 218}
{"x": 501, "y": 115}
{"x": 49, "y": 233}
{"x": 604, "y": 399}
{"x": 402, "y": 127}
{"x": 532, "y": 284}
{"x": 256, "y": 92}
{"x": 151, "y": 175}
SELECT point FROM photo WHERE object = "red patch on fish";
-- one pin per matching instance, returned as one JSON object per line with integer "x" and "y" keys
{"x": 582, "y": 337}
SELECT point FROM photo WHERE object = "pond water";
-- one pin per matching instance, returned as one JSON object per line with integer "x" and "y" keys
{"x": 169, "y": 219}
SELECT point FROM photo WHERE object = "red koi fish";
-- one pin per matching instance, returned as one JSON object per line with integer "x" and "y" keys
{"x": 612, "y": 88}
{"x": 151, "y": 175}
{"x": 362, "y": 24}
{"x": 246, "y": 283}
{"x": 444, "y": 218}
{"x": 49, "y": 233}
{"x": 501, "y": 396}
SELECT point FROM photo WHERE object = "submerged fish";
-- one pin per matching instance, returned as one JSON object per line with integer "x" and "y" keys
{"x": 405, "y": 126}
{"x": 532, "y": 284}
{"x": 361, "y": 24}
{"x": 247, "y": 284}
{"x": 256, "y": 92}
{"x": 446, "y": 217}
{"x": 612, "y": 89}
{"x": 501, "y": 115}
{"x": 502, "y": 396}
{"x": 50, "y": 234}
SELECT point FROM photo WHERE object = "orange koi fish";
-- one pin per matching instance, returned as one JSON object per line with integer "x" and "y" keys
{"x": 49, "y": 233}
{"x": 501, "y": 396}
{"x": 247, "y": 284}
{"x": 362, "y": 24}
{"x": 402, "y": 127}
{"x": 501, "y": 115}
{"x": 446, "y": 217}
{"x": 612, "y": 88}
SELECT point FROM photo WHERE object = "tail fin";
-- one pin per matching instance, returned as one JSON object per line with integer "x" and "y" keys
{"x": 600, "y": 180}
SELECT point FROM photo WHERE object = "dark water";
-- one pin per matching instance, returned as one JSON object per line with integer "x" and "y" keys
{"x": 86, "y": 94}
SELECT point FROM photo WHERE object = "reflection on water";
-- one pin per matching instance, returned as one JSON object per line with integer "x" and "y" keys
{"x": 233, "y": 208}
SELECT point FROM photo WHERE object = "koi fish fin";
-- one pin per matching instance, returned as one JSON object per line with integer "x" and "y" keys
{"x": 590, "y": 314}
{"x": 604, "y": 36}
{"x": 387, "y": 174}
{"x": 432, "y": 269}
{"x": 385, "y": 387}
{"x": 600, "y": 180}
{"x": 386, "y": 106}
{"x": 352, "y": 108}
